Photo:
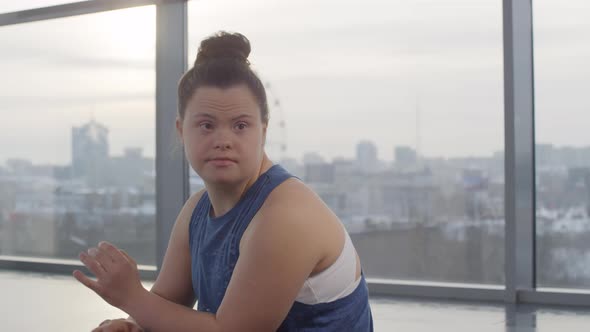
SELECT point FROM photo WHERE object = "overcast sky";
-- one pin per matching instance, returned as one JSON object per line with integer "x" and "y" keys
{"x": 344, "y": 71}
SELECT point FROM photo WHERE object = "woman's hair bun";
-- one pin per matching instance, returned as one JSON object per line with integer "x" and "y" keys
{"x": 224, "y": 45}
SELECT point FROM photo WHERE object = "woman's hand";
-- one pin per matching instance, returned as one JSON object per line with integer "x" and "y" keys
{"x": 118, "y": 325}
{"x": 117, "y": 276}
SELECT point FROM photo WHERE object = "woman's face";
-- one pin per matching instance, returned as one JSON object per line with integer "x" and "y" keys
{"x": 223, "y": 135}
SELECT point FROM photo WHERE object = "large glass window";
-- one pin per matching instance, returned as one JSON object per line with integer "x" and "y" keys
{"x": 393, "y": 112}
{"x": 562, "y": 74}
{"x": 77, "y": 99}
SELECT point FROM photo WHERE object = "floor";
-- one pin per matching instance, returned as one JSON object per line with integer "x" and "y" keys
{"x": 41, "y": 302}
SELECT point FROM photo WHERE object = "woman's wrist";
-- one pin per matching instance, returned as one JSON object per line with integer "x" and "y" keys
{"x": 134, "y": 302}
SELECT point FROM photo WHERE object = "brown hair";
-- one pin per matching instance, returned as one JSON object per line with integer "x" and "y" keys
{"x": 222, "y": 62}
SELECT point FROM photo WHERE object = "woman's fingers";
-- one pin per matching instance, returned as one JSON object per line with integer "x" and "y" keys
{"x": 102, "y": 257}
{"x": 117, "y": 276}
{"x": 92, "y": 264}
{"x": 118, "y": 325}
{"x": 93, "y": 285}
{"x": 113, "y": 252}
{"x": 106, "y": 256}
{"x": 129, "y": 258}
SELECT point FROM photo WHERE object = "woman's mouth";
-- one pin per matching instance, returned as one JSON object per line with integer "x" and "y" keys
{"x": 221, "y": 162}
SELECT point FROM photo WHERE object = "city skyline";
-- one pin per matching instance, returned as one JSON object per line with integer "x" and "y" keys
{"x": 346, "y": 75}
{"x": 362, "y": 149}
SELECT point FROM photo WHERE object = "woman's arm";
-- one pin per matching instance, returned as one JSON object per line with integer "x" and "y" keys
{"x": 286, "y": 242}
{"x": 281, "y": 251}
{"x": 171, "y": 283}
{"x": 174, "y": 281}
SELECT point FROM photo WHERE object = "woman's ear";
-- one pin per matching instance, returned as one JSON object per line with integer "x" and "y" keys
{"x": 264, "y": 128}
{"x": 179, "y": 129}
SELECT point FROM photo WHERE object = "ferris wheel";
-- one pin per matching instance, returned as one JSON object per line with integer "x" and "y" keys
{"x": 276, "y": 136}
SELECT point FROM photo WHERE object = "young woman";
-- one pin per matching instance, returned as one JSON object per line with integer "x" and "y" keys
{"x": 257, "y": 249}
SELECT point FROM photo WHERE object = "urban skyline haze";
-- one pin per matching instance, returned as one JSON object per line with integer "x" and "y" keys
{"x": 376, "y": 76}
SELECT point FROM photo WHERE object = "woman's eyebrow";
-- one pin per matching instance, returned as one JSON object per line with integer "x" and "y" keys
{"x": 211, "y": 116}
{"x": 241, "y": 116}
{"x": 203, "y": 115}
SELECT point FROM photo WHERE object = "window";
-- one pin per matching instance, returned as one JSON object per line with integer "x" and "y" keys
{"x": 393, "y": 113}
{"x": 562, "y": 73}
{"x": 78, "y": 135}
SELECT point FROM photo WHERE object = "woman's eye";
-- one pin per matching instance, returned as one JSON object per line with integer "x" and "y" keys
{"x": 241, "y": 126}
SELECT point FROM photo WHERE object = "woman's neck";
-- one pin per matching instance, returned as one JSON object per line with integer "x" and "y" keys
{"x": 224, "y": 198}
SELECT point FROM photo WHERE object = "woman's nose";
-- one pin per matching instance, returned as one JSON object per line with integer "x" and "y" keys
{"x": 222, "y": 145}
{"x": 223, "y": 140}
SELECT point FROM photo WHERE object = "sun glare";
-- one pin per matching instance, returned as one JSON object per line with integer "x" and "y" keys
{"x": 130, "y": 33}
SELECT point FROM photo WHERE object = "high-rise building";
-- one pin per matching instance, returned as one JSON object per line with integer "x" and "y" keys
{"x": 130, "y": 169}
{"x": 319, "y": 173}
{"x": 366, "y": 156}
{"x": 293, "y": 166}
{"x": 544, "y": 154}
{"x": 405, "y": 157}
{"x": 312, "y": 158}
{"x": 90, "y": 152}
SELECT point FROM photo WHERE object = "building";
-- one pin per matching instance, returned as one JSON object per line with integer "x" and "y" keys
{"x": 90, "y": 153}
{"x": 366, "y": 157}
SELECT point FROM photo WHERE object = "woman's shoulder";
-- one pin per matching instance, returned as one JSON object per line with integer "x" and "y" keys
{"x": 294, "y": 200}
{"x": 189, "y": 206}
{"x": 194, "y": 199}
{"x": 291, "y": 193}
{"x": 294, "y": 215}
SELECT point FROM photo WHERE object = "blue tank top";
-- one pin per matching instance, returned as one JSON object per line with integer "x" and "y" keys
{"x": 214, "y": 244}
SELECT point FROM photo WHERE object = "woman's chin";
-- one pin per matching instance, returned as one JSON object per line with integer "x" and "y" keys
{"x": 221, "y": 179}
